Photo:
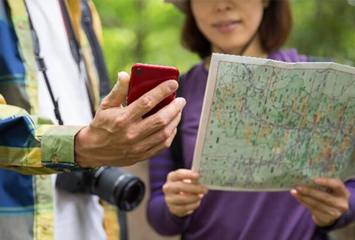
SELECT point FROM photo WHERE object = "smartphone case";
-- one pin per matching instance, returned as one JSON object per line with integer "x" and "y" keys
{"x": 145, "y": 77}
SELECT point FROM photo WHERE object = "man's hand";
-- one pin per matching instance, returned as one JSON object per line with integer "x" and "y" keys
{"x": 182, "y": 194}
{"x": 326, "y": 207}
{"x": 119, "y": 136}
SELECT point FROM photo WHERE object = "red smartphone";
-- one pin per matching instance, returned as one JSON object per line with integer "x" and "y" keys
{"x": 145, "y": 77}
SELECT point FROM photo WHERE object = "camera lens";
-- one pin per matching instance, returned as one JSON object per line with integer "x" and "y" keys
{"x": 139, "y": 71}
{"x": 118, "y": 187}
{"x": 112, "y": 184}
{"x": 129, "y": 196}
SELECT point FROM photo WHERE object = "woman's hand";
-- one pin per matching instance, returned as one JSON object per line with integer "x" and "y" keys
{"x": 182, "y": 194}
{"x": 326, "y": 206}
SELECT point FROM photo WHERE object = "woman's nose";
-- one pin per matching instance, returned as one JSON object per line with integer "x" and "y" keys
{"x": 222, "y": 5}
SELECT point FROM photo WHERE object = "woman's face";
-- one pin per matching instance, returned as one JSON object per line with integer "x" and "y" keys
{"x": 228, "y": 24}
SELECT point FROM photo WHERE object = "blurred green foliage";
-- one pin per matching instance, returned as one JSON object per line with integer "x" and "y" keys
{"x": 148, "y": 31}
{"x": 145, "y": 31}
{"x": 324, "y": 28}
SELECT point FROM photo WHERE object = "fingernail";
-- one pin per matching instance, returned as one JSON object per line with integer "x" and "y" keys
{"x": 182, "y": 102}
{"x": 120, "y": 75}
{"x": 172, "y": 86}
{"x": 293, "y": 192}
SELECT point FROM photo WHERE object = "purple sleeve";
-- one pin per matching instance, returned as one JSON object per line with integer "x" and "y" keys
{"x": 158, "y": 213}
{"x": 348, "y": 216}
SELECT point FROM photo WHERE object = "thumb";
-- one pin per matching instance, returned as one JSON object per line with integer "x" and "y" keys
{"x": 118, "y": 93}
{"x": 2, "y": 99}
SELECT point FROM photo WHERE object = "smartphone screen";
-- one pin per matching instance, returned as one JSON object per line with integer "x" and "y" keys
{"x": 145, "y": 77}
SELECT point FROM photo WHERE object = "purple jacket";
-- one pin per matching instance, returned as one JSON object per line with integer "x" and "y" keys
{"x": 230, "y": 215}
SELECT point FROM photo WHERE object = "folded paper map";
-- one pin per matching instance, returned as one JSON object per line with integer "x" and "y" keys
{"x": 268, "y": 125}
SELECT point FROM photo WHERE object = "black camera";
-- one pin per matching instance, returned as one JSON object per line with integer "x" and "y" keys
{"x": 112, "y": 184}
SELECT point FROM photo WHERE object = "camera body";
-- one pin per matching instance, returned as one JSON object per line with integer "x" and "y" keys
{"x": 112, "y": 184}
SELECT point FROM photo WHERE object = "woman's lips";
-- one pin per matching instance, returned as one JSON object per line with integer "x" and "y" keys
{"x": 226, "y": 26}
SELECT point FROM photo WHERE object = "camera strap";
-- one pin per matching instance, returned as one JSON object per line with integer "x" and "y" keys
{"x": 42, "y": 67}
{"x": 76, "y": 53}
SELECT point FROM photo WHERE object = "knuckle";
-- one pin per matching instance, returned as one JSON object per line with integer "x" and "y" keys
{"x": 136, "y": 152}
{"x": 131, "y": 138}
{"x": 147, "y": 102}
{"x": 166, "y": 133}
{"x": 121, "y": 120}
{"x": 160, "y": 120}
{"x": 166, "y": 188}
{"x": 343, "y": 207}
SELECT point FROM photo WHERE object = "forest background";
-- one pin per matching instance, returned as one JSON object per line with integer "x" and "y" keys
{"x": 148, "y": 31}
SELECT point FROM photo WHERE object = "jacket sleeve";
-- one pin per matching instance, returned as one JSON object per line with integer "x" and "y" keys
{"x": 33, "y": 145}
{"x": 159, "y": 216}
{"x": 349, "y": 216}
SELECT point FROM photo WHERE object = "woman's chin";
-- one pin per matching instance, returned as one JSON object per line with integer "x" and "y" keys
{"x": 232, "y": 50}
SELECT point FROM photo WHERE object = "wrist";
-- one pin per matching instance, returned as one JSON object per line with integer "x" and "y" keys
{"x": 80, "y": 150}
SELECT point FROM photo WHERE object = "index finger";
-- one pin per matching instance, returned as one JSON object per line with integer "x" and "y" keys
{"x": 183, "y": 174}
{"x": 149, "y": 100}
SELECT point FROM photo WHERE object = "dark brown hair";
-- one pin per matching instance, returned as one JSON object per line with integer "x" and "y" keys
{"x": 274, "y": 30}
